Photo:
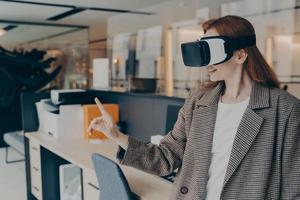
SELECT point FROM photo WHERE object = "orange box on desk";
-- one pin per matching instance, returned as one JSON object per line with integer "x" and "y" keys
{"x": 90, "y": 112}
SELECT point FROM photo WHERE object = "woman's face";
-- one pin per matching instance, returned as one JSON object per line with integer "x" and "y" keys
{"x": 223, "y": 71}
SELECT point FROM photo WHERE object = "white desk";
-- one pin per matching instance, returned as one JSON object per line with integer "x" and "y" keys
{"x": 79, "y": 151}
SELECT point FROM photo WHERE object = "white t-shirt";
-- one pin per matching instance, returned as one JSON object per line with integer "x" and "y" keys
{"x": 228, "y": 119}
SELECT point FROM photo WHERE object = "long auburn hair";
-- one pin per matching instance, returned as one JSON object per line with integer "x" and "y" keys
{"x": 255, "y": 64}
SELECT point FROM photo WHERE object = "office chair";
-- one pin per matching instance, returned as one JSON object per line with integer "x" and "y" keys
{"x": 112, "y": 182}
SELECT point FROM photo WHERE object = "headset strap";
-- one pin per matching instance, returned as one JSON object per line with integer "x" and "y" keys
{"x": 242, "y": 42}
{"x": 237, "y": 43}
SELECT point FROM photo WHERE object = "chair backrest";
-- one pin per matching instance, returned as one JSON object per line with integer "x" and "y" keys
{"x": 112, "y": 182}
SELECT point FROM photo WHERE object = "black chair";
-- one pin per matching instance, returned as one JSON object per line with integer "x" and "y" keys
{"x": 112, "y": 182}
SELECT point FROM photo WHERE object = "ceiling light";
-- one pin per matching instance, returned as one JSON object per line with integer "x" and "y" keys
{"x": 66, "y": 14}
{"x": 2, "y": 32}
{"x": 10, "y": 27}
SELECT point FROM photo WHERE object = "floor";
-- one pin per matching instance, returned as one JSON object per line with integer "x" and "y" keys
{"x": 12, "y": 177}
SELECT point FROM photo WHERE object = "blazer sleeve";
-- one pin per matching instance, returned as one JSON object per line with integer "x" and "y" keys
{"x": 291, "y": 156}
{"x": 160, "y": 160}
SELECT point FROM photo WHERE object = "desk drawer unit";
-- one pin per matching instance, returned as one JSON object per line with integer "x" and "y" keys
{"x": 36, "y": 183}
{"x": 35, "y": 169}
{"x": 90, "y": 185}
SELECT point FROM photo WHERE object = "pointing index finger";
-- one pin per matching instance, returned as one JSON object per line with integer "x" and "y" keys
{"x": 100, "y": 106}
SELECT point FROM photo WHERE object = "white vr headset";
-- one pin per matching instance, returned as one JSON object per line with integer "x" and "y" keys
{"x": 213, "y": 50}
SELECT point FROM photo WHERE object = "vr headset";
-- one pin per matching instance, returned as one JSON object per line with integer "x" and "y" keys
{"x": 213, "y": 50}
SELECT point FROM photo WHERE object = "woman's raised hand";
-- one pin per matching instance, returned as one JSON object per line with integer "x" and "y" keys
{"x": 104, "y": 123}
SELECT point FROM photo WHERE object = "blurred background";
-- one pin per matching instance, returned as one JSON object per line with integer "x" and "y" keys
{"x": 124, "y": 46}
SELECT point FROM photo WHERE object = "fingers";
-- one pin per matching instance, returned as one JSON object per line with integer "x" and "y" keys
{"x": 100, "y": 106}
{"x": 93, "y": 122}
{"x": 90, "y": 128}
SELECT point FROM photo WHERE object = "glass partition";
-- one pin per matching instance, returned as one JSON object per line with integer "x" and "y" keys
{"x": 277, "y": 25}
{"x": 148, "y": 46}
{"x": 149, "y": 52}
{"x": 68, "y": 46}
{"x": 122, "y": 45}
{"x": 185, "y": 78}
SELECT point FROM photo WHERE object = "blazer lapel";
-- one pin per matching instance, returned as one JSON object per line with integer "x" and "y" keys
{"x": 203, "y": 125}
{"x": 246, "y": 133}
{"x": 202, "y": 135}
{"x": 202, "y": 129}
{"x": 248, "y": 128}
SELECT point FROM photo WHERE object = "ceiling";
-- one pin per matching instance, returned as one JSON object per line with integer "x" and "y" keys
{"x": 15, "y": 10}
{"x": 20, "y": 11}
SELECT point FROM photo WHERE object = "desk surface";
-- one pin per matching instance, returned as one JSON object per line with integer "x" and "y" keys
{"x": 79, "y": 151}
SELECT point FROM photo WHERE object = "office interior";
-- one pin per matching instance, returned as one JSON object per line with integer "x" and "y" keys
{"x": 57, "y": 56}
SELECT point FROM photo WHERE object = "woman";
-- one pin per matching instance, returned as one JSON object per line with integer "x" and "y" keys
{"x": 236, "y": 138}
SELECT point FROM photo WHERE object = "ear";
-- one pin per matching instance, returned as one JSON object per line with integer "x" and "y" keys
{"x": 241, "y": 56}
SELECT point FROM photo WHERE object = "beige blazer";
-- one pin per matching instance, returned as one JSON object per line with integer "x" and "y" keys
{"x": 265, "y": 157}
